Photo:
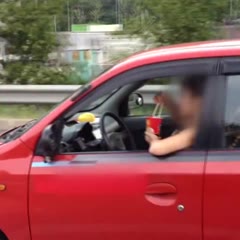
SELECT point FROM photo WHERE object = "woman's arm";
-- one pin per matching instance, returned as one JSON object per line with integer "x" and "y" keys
{"x": 172, "y": 144}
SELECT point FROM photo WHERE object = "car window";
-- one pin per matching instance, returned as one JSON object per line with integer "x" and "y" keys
{"x": 232, "y": 112}
{"x": 100, "y": 100}
{"x": 152, "y": 88}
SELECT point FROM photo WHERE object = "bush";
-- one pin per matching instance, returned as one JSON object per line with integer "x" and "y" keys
{"x": 36, "y": 73}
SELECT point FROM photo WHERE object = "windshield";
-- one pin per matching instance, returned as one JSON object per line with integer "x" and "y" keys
{"x": 16, "y": 132}
{"x": 100, "y": 100}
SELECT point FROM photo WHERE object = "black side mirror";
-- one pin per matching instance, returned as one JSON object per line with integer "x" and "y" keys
{"x": 49, "y": 143}
{"x": 135, "y": 101}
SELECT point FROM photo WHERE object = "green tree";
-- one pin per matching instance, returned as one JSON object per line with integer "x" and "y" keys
{"x": 175, "y": 21}
{"x": 109, "y": 15}
{"x": 85, "y": 11}
{"x": 28, "y": 28}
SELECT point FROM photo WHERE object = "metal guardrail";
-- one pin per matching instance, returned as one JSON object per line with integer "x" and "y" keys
{"x": 52, "y": 94}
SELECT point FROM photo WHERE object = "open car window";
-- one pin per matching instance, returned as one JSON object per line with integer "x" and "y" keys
{"x": 98, "y": 102}
{"x": 156, "y": 86}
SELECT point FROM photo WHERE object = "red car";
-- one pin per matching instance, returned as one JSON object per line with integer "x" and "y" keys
{"x": 62, "y": 179}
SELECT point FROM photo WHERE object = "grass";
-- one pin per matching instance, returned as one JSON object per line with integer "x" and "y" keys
{"x": 145, "y": 110}
{"x": 23, "y": 111}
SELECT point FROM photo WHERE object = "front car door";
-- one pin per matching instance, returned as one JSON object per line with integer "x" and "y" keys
{"x": 222, "y": 179}
{"x": 121, "y": 195}
{"x": 117, "y": 196}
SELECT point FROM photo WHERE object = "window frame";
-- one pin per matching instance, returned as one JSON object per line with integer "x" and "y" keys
{"x": 229, "y": 67}
{"x": 209, "y": 66}
{"x": 212, "y": 119}
{"x": 145, "y": 72}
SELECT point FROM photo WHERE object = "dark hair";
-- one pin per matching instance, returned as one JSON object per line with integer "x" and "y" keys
{"x": 195, "y": 84}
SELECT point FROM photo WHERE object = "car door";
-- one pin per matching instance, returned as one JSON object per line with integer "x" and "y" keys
{"x": 121, "y": 195}
{"x": 222, "y": 178}
{"x": 117, "y": 196}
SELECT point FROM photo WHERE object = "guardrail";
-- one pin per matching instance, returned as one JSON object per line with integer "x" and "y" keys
{"x": 52, "y": 94}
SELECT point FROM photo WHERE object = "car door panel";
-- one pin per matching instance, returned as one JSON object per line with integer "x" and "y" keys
{"x": 117, "y": 196}
{"x": 121, "y": 195}
{"x": 221, "y": 196}
{"x": 220, "y": 199}
{"x": 222, "y": 178}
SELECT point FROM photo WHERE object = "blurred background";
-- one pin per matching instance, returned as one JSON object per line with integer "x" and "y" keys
{"x": 69, "y": 42}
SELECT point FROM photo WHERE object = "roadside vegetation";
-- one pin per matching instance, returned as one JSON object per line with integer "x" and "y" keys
{"x": 22, "y": 111}
{"x": 29, "y": 28}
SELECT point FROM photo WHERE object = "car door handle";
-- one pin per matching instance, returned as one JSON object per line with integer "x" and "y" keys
{"x": 161, "y": 194}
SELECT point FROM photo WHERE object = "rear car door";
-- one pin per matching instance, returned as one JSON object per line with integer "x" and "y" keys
{"x": 222, "y": 178}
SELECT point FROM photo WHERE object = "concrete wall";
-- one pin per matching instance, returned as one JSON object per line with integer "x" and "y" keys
{"x": 106, "y": 45}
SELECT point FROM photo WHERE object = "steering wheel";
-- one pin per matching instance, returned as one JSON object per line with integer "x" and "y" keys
{"x": 117, "y": 142}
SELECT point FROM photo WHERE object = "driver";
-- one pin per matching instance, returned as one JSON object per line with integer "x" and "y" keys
{"x": 186, "y": 114}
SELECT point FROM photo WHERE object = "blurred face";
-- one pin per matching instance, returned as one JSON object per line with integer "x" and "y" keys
{"x": 190, "y": 107}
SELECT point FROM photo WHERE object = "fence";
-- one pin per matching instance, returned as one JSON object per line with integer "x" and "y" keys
{"x": 52, "y": 94}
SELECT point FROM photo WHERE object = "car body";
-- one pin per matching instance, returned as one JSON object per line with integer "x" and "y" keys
{"x": 130, "y": 194}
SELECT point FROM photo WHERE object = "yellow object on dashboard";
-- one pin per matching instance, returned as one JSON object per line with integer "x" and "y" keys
{"x": 86, "y": 117}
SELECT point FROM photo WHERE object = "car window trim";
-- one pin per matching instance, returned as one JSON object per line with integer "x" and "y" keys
{"x": 229, "y": 67}
{"x": 209, "y": 66}
{"x": 212, "y": 117}
{"x": 165, "y": 69}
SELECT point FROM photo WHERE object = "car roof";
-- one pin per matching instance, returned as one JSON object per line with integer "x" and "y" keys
{"x": 187, "y": 50}
{"x": 205, "y": 49}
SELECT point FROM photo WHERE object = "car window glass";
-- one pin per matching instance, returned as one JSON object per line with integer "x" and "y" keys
{"x": 232, "y": 112}
{"x": 183, "y": 98}
{"x": 100, "y": 100}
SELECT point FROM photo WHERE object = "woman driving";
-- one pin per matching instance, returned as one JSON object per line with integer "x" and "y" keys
{"x": 186, "y": 114}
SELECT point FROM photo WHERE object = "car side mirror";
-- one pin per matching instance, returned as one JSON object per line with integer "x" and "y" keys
{"x": 135, "y": 100}
{"x": 49, "y": 143}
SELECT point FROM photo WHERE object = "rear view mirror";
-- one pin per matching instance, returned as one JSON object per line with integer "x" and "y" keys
{"x": 46, "y": 146}
{"x": 135, "y": 101}
{"x": 49, "y": 143}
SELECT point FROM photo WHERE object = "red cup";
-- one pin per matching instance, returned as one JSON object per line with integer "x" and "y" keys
{"x": 155, "y": 124}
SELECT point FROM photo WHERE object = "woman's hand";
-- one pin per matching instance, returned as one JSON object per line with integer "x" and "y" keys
{"x": 150, "y": 136}
{"x": 161, "y": 99}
